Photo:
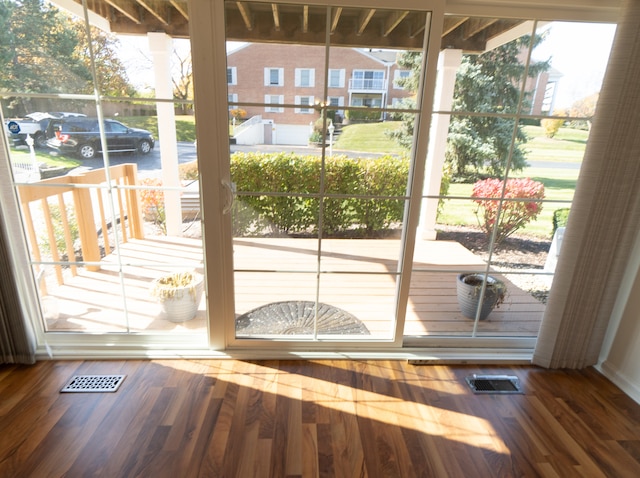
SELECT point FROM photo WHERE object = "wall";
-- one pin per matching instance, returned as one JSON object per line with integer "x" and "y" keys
{"x": 620, "y": 356}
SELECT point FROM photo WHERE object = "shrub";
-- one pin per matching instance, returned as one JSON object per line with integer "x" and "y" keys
{"x": 238, "y": 113}
{"x": 560, "y": 217}
{"x": 189, "y": 170}
{"x": 362, "y": 116}
{"x": 152, "y": 201}
{"x": 511, "y": 214}
{"x": 298, "y": 211}
{"x": 551, "y": 126}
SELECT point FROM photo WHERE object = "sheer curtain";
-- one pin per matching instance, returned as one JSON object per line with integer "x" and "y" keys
{"x": 17, "y": 297}
{"x": 605, "y": 216}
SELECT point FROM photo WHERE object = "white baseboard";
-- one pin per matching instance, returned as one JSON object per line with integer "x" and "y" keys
{"x": 613, "y": 374}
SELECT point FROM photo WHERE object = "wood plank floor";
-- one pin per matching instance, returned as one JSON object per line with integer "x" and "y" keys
{"x": 360, "y": 278}
{"x": 228, "y": 418}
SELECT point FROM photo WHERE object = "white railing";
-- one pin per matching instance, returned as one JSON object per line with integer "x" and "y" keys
{"x": 368, "y": 84}
{"x": 237, "y": 130}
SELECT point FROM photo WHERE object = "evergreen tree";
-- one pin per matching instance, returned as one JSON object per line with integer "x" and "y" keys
{"x": 488, "y": 83}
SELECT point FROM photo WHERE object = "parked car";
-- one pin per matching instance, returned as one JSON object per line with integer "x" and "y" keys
{"x": 34, "y": 125}
{"x": 81, "y": 136}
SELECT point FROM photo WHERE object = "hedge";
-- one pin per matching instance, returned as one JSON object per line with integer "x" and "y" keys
{"x": 279, "y": 193}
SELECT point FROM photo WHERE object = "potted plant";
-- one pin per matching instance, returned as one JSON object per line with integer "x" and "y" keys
{"x": 469, "y": 289}
{"x": 178, "y": 294}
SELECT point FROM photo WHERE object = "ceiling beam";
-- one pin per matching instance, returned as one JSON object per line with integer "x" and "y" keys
{"x": 418, "y": 25}
{"x": 365, "y": 18}
{"x": 247, "y": 17}
{"x": 276, "y": 16}
{"x": 451, "y": 23}
{"x": 392, "y": 21}
{"x": 157, "y": 8}
{"x": 127, "y": 9}
{"x": 474, "y": 26}
{"x": 305, "y": 19}
{"x": 181, "y": 6}
{"x": 336, "y": 12}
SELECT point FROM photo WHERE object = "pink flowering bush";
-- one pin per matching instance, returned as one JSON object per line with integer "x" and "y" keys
{"x": 513, "y": 213}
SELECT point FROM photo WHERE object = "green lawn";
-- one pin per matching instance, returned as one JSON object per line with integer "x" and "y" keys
{"x": 369, "y": 137}
{"x": 559, "y": 183}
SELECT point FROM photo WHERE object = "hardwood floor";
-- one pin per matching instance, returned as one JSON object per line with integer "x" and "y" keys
{"x": 229, "y": 418}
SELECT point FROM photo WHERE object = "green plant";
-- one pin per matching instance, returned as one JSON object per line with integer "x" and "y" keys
{"x": 521, "y": 205}
{"x": 362, "y": 115}
{"x": 362, "y": 194}
{"x": 551, "y": 126}
{"x": 560, "y": 217}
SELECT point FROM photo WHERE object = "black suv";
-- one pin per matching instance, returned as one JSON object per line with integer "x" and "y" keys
{"x": 81, "y": 136}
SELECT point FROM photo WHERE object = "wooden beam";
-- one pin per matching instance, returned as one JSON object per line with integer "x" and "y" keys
{"x": 451, "y": 23}
{"x": 182, "y": 8}
{"x": 365, "y": 18}
{"x": 336, "y": 12}
{"x": 127, "y": 9}
{"x": 276, "y": 16}
{"x": 418, "y": 24}
{"x": 305, "y": 19}
{"x": 247, "y": 17}
{"x": 158, "y": 9}
{"x": 392, "y": 21}
{"x": 473, "y": 26}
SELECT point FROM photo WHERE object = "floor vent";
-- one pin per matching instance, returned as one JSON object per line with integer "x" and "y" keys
{"x": 494, "y": 384}
{"x": 93, "y": 383}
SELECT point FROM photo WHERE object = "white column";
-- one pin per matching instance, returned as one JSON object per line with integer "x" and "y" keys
{"x": 448, "y": 63}
{"x": 161, "y": 49}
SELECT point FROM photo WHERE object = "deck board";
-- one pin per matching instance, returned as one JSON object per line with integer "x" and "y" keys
{"x": 359, "y": 276}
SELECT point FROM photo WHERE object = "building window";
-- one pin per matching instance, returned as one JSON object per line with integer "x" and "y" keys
{"x": 305, "y": 77}
{"x": 274, "y": 100}
{"x": 232, "y": 75}
{"x": 274, "y": 76}
{"x": 232, "y": 98}
{"x": 400, "y": 75}
{"x": 336, "y": 78}
{"x": 305, "y": 102}
{"x": 367, "y": 80}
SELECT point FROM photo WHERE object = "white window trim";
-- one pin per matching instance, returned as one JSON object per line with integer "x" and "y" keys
{"x": 234, "y": 75}
{"x": 312, "y": 77}
{"x": 341, "y": 79}
{"x": 396, "y": 77}
{"x": 273, "y": 109}
{"x": 267, "y": 76}
{"x": 306, "y": 109}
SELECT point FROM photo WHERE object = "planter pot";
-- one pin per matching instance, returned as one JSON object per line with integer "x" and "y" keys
{"x": 469, "y": 287}
{"x": 178, "y": 303}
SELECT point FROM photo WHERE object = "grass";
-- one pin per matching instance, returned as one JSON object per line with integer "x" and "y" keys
{"x": 369, "y": 137}
{"x": 559, "y": 183}
{"x": 22, "y": 155}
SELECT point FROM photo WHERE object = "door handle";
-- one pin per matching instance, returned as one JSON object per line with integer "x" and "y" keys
{"x": 229, "y": 189}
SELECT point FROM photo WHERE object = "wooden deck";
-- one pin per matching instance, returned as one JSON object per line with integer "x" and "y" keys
{"x": 358, "y": 276}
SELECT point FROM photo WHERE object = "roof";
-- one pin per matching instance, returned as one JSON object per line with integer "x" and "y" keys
{"x": 304, "y": 24}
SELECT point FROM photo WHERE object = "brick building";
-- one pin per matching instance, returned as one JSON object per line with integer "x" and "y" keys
{"x": 282, "y": 83}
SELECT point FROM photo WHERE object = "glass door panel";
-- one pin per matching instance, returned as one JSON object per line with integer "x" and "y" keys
{"x": 320, "y": 189}
{"x": 107, "y": 184}
{"x": 509, "y": 140}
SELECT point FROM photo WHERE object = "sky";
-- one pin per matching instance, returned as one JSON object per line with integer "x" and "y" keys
{"x": 578, "y": 51}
